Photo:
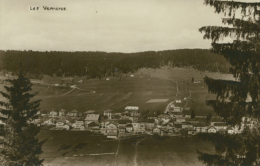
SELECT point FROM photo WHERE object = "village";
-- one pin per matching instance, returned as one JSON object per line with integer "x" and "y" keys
{"x": 173, "y": 122}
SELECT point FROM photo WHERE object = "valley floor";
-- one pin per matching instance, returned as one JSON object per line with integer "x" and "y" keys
{"x": 86, "y": 148}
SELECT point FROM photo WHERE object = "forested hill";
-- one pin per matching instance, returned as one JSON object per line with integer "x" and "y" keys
{"x": 100, "y": 64}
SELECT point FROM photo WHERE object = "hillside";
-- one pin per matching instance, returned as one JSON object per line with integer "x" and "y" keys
{"x": 102, "y": 64}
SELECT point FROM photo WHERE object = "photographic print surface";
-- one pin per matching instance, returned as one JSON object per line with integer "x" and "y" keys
{"x": 129, "y": 82}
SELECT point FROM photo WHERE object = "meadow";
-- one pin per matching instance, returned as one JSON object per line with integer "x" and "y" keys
{"x": 84, "y": 148}
{"x": 115, "y": 94}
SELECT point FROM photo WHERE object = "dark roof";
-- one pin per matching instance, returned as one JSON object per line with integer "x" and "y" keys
{"x": 201, "y": 125}
{"x": 124, "y": 121}
{"x": 93, "y": 124}
{"x": 129, "y": 125}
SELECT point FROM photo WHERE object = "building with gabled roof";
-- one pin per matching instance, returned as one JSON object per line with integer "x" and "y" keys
{"x": 219, "y": 126}
{"x": 62, "y": 112}
{"x": 108, "y": 113}
{"x": 212, "y": 129}
{"x": 201, "y": 127}
{"x": 93, "y": 126}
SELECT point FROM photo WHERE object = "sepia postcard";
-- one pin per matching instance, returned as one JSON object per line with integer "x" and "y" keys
{"x": 129, "y": 82}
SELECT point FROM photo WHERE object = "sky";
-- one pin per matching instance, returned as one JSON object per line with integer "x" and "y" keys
{"x": 105, "y": 25}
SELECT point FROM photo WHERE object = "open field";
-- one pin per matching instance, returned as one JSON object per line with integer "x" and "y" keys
{"x": 85, "y": 148}
{"x": 116, "y": 94}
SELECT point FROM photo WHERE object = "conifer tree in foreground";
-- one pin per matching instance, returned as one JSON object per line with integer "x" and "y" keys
{"x": 235, "y": 99}
{"x": 20, "y": 147}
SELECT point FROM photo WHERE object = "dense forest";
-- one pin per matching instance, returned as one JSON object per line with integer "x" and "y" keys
{"x": 101, "y": 64}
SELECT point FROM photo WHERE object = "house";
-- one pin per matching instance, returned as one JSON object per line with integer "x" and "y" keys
{"x": 73, "y": 113}
{"x": 164, "y": 117}
{"x": 176, "y": 114}
{"x": 168, "y": 127}
{"x": 121, "y": 129}
{"x": 79, "y": 124}
{"x": 216, "y": 120}
{"x": 157, "y": 131}
{"x": 177, "y": 101}
{"x": 48, "y": 122}
{"x": 186, "y": 125}
{"x": 67, "y": 127}
{"x": 149, "y": 123}
{"x": 111, "y": 127}
{"x": 177, "y": 127}
{"x": 139, "y": 127}
{"x": 129, "y": 128}
{"x": 122, "y": 125}
{"x": 212, "y": 129}
{"x": 59, "y": 124}
{"x": 92, "y": 118}
{"x": 108, "y": 113}
{"x": 201, "y": 127}
{"x": 219, "y": 126}
{"x": 88, "y": 112}
{"x": 53, "y": 112}
{"x": 176, "y": 107}
{"x": 133, "y": 110}
{"x": 191, "y": 131}
{"x": 62, "y": 112}
{"x": 93, "y": 126}
{"x": 180, "y": 119}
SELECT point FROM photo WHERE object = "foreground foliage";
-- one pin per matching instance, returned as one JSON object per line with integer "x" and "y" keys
{"x": 20, "y": 145}
{"x": 235, "y": 99}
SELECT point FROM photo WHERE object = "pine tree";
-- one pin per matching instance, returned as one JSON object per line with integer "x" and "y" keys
{"x": 240, "y": 98}
{"x": 21, "y": 147}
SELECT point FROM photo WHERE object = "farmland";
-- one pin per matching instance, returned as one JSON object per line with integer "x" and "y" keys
{"x": 83, "y": 148}
{"x": 115, "y": 94}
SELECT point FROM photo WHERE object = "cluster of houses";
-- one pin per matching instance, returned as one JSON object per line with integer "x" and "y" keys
{"x": 132, "y": 122}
